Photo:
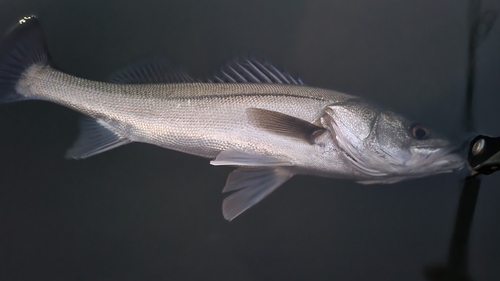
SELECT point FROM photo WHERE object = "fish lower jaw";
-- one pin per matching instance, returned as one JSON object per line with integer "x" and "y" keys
{"x": 397, "y": 173}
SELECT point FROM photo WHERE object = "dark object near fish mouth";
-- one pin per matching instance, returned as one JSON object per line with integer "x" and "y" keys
{"x": 484, "y": 155}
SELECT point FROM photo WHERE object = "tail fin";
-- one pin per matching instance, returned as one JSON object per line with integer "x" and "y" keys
{"x": 23, "y": 47}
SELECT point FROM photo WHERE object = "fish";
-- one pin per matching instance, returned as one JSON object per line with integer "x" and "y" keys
{"x": 251, "y": 116}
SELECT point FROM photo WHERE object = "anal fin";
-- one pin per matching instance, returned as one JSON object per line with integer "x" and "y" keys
{"x": 251, "y": 185}
{"x": 95, "y": 137}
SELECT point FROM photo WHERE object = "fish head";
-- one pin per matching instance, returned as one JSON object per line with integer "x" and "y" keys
{"x": 386, "y": 147}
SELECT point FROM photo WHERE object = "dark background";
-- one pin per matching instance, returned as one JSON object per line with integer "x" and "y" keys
{"x": 144, "y": 213}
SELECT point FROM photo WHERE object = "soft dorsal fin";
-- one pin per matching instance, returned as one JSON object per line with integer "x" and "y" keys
{"x": 253, "y": 71}
{"x": 283, "y": 124}
{"x": 155, "y": 70}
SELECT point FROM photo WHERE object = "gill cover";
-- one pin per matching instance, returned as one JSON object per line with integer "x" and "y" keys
{"x": 351, "y": 124}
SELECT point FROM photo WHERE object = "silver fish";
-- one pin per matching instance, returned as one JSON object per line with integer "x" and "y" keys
{"x": 250, "y": 115}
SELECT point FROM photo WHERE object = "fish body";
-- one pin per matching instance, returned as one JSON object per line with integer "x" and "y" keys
{"x": 203, "y": 119}
{"x": 251, "y": 116}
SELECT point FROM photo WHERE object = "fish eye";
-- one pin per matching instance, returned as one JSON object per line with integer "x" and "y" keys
{"x": 419, "y": 132}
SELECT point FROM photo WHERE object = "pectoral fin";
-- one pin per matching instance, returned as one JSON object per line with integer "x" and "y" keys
{"x": 251, "y": 186}
{"x": 284, "y": 124}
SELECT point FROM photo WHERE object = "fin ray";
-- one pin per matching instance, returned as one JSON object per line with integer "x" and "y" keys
{"x": 251, "y": 186}
{"x": 24, "y": 46}
{"x": 234, "y": 157}
{"x": 284, "y": 124}
{"x": 153, "y": 70}
{"x": 95, "y": 137}
{"x": 251, "y": 70}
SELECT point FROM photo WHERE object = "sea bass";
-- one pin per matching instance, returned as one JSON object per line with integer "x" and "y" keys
{"x": 252, "y": 116}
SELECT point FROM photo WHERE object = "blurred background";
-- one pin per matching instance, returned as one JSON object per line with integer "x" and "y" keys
{"x": 144, "y": 213}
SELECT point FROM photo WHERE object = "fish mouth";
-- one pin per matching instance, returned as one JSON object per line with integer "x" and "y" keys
{"x": 430, "y": 161}
{"x": 439, "y": 159}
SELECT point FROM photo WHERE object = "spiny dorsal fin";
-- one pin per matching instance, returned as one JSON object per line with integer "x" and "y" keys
{"x": 253, "y": 71}
{"x": 283, "y": 124}
{"x": 155, "y": 70}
